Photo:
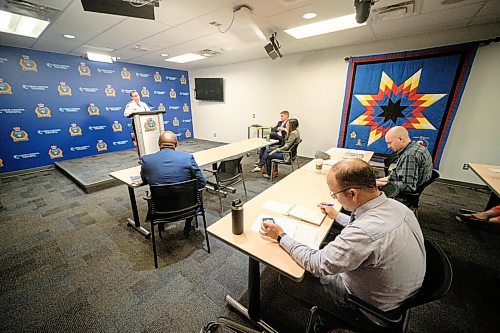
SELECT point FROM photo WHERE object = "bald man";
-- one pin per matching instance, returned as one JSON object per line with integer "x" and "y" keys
{"x": 379, "y": 256}
{"x": 414, "y": 165}
{"x": 170, "y": 166}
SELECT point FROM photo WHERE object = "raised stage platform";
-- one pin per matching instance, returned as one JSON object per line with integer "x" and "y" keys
{"x": 91, "y": 173}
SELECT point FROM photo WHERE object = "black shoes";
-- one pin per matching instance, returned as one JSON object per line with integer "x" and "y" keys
{"x": 188, "y": 228}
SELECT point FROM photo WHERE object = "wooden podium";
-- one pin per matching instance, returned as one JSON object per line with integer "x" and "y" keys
{"x": 147, "y": 127}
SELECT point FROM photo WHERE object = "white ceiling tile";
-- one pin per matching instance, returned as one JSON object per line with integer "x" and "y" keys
{"x": 55, "y": 31}
{"x": 75, "y": 16}
{"x": 53, "y": 46}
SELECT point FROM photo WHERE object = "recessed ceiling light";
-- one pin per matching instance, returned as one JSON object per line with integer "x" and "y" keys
{"x": 164, "y": 55}
{"x": 186, "y": 58}
{"x": 309, "y": 16}
{"x": 69, "y": 36}
{"x": 99, "y": 57}
{"x": 324, "y": 27}
{"x": 21, "y": 25}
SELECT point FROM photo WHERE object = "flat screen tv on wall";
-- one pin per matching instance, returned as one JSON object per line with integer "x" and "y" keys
{"x": 209, "y": 89}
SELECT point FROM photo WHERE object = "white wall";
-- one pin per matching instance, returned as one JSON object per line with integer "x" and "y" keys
{"x": 311, "y": 86}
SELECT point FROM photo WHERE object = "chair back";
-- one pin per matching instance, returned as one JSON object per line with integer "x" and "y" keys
{"x": 438, "y": 276}
{"x": 176, "y": 199}
{"x": 292, "y": 153}
{"x": 229, "y": 171}
{"x": 388, "y": 161}
{"x": 412, "y": 199}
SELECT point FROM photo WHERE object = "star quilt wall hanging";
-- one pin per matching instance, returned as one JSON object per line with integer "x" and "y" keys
{"x": 419, "y": 90}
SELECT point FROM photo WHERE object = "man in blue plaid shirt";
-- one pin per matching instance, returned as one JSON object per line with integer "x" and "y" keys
{"x": 414, "y": 165}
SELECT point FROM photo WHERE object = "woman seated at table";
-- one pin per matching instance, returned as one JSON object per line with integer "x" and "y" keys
{"x": 292, "y": 137}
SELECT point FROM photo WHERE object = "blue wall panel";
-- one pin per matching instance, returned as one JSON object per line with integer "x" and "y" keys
{"x": 46, "y": 100}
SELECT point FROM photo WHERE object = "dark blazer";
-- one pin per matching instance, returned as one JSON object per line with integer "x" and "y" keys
{"x": 170, "y": 166}
{"x": 278, "y": 125}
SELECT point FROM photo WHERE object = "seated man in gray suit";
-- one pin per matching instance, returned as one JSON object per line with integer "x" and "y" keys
{"x": 171, "y": 166}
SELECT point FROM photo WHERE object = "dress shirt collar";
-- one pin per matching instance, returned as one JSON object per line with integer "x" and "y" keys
{"x": 370, "y": 205}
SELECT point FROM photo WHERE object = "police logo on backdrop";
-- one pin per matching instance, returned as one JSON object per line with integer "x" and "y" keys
{"x": 109, "y": 91}
{"x": 42, "y": 111}
{"x": 83, "y": 69}
{"x": 101, "y": 145}
{"x": 93, "y": 110}
{"x": 117, "y": 127}
{"x": 150, "y": 125}
{"x": 5, "y": 88}
{"x": 185, "y": 108}
{"x": 27, "y": 64}
{"x": 125, "y": 74}
{"x": 182, "y": 79}
{"x": 157, "y": 77}
{"x": 175, "y": 122}
{"x": 75, "y": 130}
{"x": 161, "y": 107}
{"x": 172, "y": 93}
{"x": 64, "y": 89}
{"x": 187, "y": 134}
{"x": 1, "y": 163}
{"x": 18, "y": 134}
{"x": 144, "y": 92}
{"x": 55, "y": 152}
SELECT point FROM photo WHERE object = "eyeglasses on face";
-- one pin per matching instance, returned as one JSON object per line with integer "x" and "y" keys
{"x": 334, "y": 194}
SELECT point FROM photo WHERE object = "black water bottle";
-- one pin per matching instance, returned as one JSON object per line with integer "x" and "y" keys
{"x": 237, "y": 215}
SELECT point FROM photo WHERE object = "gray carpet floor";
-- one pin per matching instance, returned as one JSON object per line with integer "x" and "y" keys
{"x": 69, "y": 263}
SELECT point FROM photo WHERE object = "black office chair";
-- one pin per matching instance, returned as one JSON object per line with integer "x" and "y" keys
{"x": 412, "y": 200}
{"x": 388, "y": 161}
{"x": 229, "y": 173}
{"x": 437, "y": 282}
{"x": 174, "y": 202}
{"x": 289, "y": 157}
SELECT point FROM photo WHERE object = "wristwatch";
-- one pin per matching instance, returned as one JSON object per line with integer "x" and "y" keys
{"x": 280, "y": 236}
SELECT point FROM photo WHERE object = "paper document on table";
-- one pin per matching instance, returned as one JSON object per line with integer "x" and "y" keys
{"x": 304, "y": 234}
{"x": 494, "y": 170}
{"x": 353, "y": 155}
{"x": 136, "y": 179}
{"x": 314, "y": 216}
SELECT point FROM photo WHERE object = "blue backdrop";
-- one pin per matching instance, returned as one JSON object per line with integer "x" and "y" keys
{"x": 55, "y": 107}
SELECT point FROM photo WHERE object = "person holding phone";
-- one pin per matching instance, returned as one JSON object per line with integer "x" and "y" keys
{"x": 379, "y": 256}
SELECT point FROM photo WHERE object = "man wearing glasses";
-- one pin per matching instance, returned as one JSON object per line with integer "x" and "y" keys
{"x": 379, "y": 256}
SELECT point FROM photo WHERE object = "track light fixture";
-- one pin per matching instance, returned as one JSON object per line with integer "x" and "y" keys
{"x": 273, "y": 47}
{"x": 363, "y": 9}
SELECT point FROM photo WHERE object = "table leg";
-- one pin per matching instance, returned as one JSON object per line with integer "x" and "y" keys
{"x": 253, "y": 311}
{"x": 136, "y": 222}
{"x": 494, "y": 201}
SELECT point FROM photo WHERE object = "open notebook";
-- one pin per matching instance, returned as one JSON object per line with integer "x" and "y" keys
{"x": 314, "y": 216}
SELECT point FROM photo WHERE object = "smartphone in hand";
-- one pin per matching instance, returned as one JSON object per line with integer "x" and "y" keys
{"x": 268, "y": 220}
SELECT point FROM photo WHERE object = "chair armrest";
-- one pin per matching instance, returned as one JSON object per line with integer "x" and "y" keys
{"x": 210, "y": 170}
{"x": 392, "y": 316}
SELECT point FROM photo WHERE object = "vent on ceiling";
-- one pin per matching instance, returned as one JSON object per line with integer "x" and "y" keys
{"x": 140, "y": 48}
{"x": 209, "y": 53}
{"x": 30, "y": 9}
{"x": 393, "y": 12}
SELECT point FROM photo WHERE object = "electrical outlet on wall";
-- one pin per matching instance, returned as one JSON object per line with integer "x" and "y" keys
{"x": 215, "y": 134}
{"x": 466, "y": 166}
{"x": 253, "y": 115}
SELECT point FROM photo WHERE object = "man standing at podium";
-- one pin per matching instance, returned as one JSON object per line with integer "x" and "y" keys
{"x": 134, "y": 106}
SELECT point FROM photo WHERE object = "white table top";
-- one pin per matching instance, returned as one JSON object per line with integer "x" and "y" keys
{"x": 203, "y": 157}
{"x": 307, "y": 189}
{"x": 489, "y": 174}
